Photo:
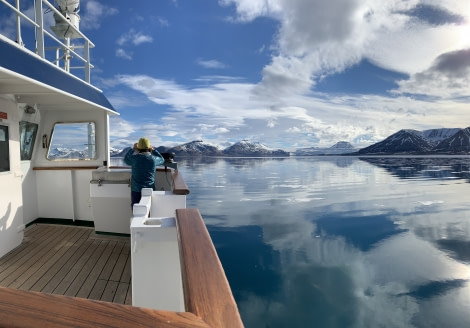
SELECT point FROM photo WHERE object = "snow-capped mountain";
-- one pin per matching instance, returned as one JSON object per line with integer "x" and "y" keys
{"x": 193, "y": 148}
{"x": 404, "y": 142}
{"x": 401, "y": 142}
{"x": 459, "y": 143}
{"x": 114, "y": 152}
{"x": 247, "y": 148}
{"x": 456, "y": 141}
{"x": 67, "y": 153}
{"x": 435, "y": 136}
{"x": 341, "y": 147}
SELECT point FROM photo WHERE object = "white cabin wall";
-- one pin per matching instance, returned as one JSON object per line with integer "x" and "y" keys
{"x": 29, "y": 189}
{"x": 11, "y": 198}
{"x": 30, "y": 198}
{"x": 49, "y": 118}
{"x": 81, "y": 190}
{"x": 65, "y": 194}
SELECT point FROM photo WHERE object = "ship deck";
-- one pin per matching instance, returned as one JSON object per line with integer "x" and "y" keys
{"x": 71, "y": 261}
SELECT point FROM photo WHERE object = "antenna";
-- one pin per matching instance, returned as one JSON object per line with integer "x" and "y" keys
{"x": 69, "y": 10}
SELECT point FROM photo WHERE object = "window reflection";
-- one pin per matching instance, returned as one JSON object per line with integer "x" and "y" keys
{"x": 75, "y": 141}
{"x": 28, "y": 133}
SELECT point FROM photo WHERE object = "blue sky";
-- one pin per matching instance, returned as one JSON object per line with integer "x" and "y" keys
{"x": 287, "y": 73}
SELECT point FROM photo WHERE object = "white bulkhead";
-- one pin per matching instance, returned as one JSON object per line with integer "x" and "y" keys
{"x": 11, "y": 174}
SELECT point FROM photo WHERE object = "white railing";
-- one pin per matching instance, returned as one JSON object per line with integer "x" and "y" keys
{"x": 63, "y": 52}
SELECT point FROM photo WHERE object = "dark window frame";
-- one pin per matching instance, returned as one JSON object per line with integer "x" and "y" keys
{"x": 77, "y": 140}
{"x": 5, "y": 164}
{"x": 27, "y": 142}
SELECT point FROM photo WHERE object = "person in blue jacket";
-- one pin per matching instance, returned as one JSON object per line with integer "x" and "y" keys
{"x": 143, "y": 159}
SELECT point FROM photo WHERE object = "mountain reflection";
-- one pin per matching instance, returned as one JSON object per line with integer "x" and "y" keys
{"x": 340, "y": 242}
{"x": 423, "y": 167}
{"x": 361, "y": 231}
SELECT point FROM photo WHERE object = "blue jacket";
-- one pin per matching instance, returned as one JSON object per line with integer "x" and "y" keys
{"x": 143, "y": 166}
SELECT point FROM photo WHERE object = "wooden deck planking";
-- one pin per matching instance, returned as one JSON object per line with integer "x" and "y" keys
{"x": 90, "y": 281}
{"x": 82, "y": 269}
{"x": 51, "y": 271}
{"x": 62, "y": 274}
{"x": 37, "y": 269}
{"x": 16, "y": 261}
{"x": 72, "y": 261}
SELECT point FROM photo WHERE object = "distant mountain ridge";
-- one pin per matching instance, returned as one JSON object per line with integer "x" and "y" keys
{"x": 341, "y": 147}
{"x": 246, "y": 148}
{"x": 446, "y": 141}
{"x": 435, "y": 141}
{"x": 193, "y": 148}
{"x": 199, "y": 148}
{"x": 434, "y": 136}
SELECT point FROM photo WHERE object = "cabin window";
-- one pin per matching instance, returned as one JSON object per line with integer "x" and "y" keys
{"x": 28, "y": 133}
{"x": 72, "y": 141}
{"x": 4, "y": 149}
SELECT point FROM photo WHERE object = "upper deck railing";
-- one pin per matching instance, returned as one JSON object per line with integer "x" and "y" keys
{"x": 63, "y": 54}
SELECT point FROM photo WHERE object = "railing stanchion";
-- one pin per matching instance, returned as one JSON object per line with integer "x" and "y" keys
{"x": 86, "y": 53}
{"x": 39, "y": 29}
{"x": 18, "y": 25}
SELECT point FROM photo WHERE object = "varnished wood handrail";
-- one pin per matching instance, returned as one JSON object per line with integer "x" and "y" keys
{"x": 24, "y": 309}
{"x": 208, "y": 298}
{"x": 51, "y": 168}
{"x": 180, "y": 187}
{"x": 207, "y": 293}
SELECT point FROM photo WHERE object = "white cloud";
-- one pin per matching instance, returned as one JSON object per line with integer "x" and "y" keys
{"x": 92, "y": 16}
{"x": 163, "y": 21}
{"x": 121, "y": 128}
{"x": 317, "y": 38}
{"x": 212, "y": 63}
{"x": 230, "y": 111}
{"x": 121, "y": 53}
{"x": 134, "y": 37}
{"x": 140, "y": 38}
{"x": 448, "y": 77}
{"x": 8, "y": 27}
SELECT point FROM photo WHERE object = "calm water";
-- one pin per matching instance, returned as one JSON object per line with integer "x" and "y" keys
{"x": 340, "y": 242}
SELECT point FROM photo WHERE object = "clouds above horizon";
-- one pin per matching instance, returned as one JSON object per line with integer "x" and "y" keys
{"x": 95, "y": 13}
{"x": 131, "y": 39}
{"x": 317, "y": 38}
{"x": 231, "y": 112}
{"x": 425, "y": 43}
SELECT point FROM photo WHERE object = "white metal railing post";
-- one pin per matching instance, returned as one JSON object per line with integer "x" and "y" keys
{"x": 40, "y": 28}
{"x": 67, "y": 55}
{"x": 57, "y": 57}
{"x": 18, "y": 25}
{"x": 86, "y": 54}
{"x": 41, "y": 33}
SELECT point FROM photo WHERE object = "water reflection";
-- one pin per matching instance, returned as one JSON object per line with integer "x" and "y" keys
{"x": 351, "y": 228}
{"x": 335, "y": 242}
{"x": 424, "y": 167}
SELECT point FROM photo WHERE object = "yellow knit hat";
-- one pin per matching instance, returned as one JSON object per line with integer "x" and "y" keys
{"x": 144, "y": 143}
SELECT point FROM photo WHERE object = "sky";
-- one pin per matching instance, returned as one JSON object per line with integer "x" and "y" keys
{"x": 287, "y": 73}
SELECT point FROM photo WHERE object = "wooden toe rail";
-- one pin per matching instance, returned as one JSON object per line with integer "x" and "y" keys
{"x": 22, "y": 309}
{"x": 180, "y": 186}
{"x": 207, "y": 293}
{"x": 208, "y": 298}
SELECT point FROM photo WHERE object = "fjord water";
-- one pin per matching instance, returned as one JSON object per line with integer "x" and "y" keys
{"x": 340, "y": 241}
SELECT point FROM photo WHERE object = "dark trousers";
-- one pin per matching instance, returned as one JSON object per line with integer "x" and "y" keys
{"x": 135, "y": 197}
